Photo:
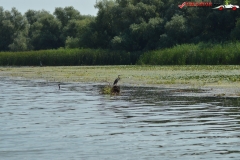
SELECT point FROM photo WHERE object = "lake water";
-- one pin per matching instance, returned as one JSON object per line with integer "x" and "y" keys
{"x": 39, "y": 121}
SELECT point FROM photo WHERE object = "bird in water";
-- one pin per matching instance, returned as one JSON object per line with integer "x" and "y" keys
{"x": 116, "y": 80}
{"x": 59, "y": 87}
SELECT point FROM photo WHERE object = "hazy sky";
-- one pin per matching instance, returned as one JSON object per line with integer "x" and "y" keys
{"x": 85, "y": 7}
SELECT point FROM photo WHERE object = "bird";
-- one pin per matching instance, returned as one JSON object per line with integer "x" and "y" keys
{"x": 59, "y": 86}
{"x": 116, "y": 80}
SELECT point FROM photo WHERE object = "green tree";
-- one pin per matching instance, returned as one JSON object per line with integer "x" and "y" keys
{"x": 75, "y": 31}
{"x": 20, "y": 42}
{"x": 45, "y": 32}
{"x": 72, "y": 42}
{"x": 64, "y": 15}
{"x": 72, "y": 23}
{"x": 32, "y": 16}
{"x": 235, "y": 34}
{"x": 128, "y": 24}
{"x": 176, "y": 29}
{"x": 14, "y": 26}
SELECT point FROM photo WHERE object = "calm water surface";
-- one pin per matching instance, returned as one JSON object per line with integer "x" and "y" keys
{"x": 39, "y": 121}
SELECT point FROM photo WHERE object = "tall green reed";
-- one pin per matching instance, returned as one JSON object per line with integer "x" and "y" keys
{"x": 62, "y": 57}
{"x": 190, "y": 54}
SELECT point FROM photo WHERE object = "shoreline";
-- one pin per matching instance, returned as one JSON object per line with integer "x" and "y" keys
{"x": 222, "y": 81}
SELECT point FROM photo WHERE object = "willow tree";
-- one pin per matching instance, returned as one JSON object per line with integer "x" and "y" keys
{"x": 13, "y": 30}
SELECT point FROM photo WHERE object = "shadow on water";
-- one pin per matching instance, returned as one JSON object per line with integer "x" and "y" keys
{"x": 39, "y": 121}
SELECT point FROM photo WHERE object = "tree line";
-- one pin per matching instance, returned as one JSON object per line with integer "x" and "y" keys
{"x": 127, "y": 25}
{"x": 41, "y": 30}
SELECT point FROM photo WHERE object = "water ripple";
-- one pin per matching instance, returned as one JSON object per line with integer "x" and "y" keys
{"x": 39, "y": 121}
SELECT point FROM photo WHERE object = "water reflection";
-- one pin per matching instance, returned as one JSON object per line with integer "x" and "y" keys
{"x": 39, "y": 121}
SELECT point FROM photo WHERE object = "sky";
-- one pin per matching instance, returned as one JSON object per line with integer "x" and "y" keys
{"x": 85, "y": 7}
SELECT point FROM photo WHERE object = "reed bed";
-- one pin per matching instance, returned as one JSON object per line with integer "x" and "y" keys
{"x": 186, "y": 54}
{"x": 190, "y": 54}
{"x": 67, "y": 57}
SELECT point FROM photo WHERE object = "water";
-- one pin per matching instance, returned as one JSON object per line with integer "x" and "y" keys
{"x": 39, "y": 121}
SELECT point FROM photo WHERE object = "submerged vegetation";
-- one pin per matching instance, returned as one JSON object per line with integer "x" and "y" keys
{"x": 106, "y": 89}
{"x": 195, "y": 76}
{"x": 111, "y": 90}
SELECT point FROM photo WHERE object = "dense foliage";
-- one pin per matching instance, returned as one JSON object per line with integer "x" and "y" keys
{"x": 40, "y": 30}
{"x": 130, "y": 25}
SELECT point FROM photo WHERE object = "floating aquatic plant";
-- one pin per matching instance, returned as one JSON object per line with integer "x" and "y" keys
{"x": 106, "y": 89}
{"x": 111, "y": 90}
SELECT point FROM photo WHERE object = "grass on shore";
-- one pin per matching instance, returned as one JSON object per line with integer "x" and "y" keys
{"x": 195, "y": 76}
